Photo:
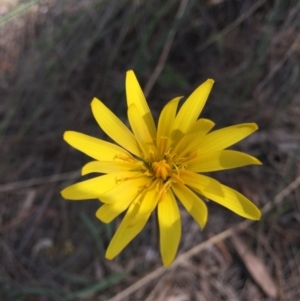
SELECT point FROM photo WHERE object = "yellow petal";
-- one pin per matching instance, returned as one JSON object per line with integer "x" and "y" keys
{"x": 135, "y": 95}
{"x": 223, "y": 138}
{"x": 201, "y": 127}
{"x": 188, "y": 142}
{"x": 108, "y": 212}
{"x": 220, "y": 160}
{"x": 110, "y": 167}
{"x": 169, "y": 227}
{"x": 221, "y": 194}
{"x": 89, "y": 189}
{"x": 140, "y": 130}
{"x": 93, "y": 147}
{"x": 130, "y": 183}
{"x": 165, "y": 122}
{"x": 201, "y": 184}
{"x": 125, "y": 233}
{"x": 148, "y": 202}
{"x": 103, "y": 186}
{"x": 114, "y": 127}
{"x": 238, "y": 203}
{"x": 191, "y": 109}
{"x": 192, "y": 203}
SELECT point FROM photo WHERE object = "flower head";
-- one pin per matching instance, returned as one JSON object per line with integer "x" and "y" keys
{"x": 152, "y": 167}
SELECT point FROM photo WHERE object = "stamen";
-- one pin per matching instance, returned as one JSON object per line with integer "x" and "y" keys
{"x": 167, "y": 154}
{"x": 120, "y": 179}
{"x": 152, "y": 155}
{"x": 124, "y": 158}
{"x": 163, "y": 189}
{"x": 161, "y": 169}
{"x": 177, "y": 178}
{"x": 174, "y": 165}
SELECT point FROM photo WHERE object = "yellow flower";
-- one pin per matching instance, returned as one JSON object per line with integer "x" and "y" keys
{"x": 153, "y": 167}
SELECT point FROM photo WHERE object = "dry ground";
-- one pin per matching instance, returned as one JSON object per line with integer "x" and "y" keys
{"x": 56, "y": 55}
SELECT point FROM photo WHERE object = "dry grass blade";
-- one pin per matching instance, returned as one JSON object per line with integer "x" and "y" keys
{"x": 233, "y": 25}
{"x": 278, "y": 65}
{"x": 200, "y": 247}
{"x": 17, "y": 11}
{"x": 39, "y": 181}
{"x": 256, "y": 267}
{"x": 167, "y": 47}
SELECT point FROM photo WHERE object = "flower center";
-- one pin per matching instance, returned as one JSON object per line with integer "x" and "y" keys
{"x": 161, "y": 169}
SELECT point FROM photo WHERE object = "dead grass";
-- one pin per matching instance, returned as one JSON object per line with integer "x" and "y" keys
{"x": 56, "y": 55}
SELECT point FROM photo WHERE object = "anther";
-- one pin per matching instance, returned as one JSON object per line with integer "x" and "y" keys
{"x": 161, "y": 169}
